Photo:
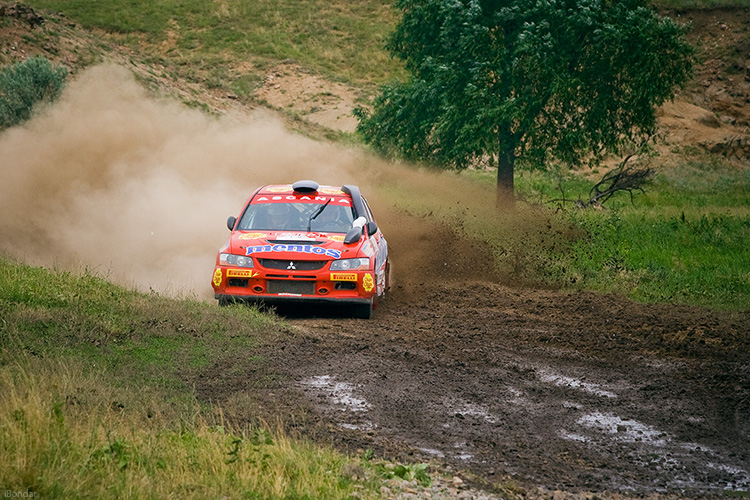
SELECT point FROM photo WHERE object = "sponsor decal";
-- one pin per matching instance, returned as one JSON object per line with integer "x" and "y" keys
{"x": 311, "y": 199}
{"x": 252, "y": 236}
{"x": 240, "y": 273}
{"x": 367, "y": 248}
{"x": 336, "y": 237}
{"x": 330, "y": 191}
{"x": 279, "y": 189}
{"x": 344, "y": 276}
{"x": 367, "y": 282}
{"x": 294, "y": 237}
{"x": 217, "y": 277}
{"x": 316, "y": 250}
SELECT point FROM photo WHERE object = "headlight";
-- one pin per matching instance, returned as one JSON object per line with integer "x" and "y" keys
{"x": 228, "y": 259}
{"x": 361, "y": 264}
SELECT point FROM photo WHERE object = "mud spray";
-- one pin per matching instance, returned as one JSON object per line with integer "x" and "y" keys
{"x": 113, "y": 181}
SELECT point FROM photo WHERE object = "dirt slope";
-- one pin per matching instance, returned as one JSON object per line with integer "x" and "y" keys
{"x": 712, "y": 113}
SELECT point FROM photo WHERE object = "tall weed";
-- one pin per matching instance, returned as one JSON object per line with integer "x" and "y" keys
{"x": 67, "y": 431}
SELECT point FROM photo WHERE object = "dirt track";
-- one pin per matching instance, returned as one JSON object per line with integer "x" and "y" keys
{"x": 571, "y": 391}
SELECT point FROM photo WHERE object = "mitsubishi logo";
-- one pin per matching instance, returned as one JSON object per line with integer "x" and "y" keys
{"x": 291, "y": 266}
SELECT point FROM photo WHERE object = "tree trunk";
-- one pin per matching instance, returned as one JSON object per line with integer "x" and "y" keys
{"x": 505, "y": 191}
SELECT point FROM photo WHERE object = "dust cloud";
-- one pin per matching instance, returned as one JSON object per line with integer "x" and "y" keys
{"x": 116, "y": 182}
{"x": 136, "y": 189}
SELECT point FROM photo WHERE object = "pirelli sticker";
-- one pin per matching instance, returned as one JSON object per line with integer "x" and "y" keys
{"x": 239, "y": 273}
{"x": 343, "y": 276}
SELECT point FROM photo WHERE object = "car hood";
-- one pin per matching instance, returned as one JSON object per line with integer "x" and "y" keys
{"x": 286, "y": 244}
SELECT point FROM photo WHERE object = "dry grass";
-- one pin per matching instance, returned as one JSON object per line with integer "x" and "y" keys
{"x": 69, "y": 429}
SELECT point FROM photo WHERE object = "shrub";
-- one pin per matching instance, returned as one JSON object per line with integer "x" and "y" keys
{"x": 24, "y": 84}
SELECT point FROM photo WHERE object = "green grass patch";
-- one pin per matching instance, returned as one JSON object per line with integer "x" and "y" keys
{"x": 656, "y": 258}
{"x": 147, "y": 337}
{"x": 686, "y": 240}
{"x": 97, "y": 404}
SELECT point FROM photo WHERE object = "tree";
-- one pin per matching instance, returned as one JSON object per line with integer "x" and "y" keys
{"x": 528, "y": 80}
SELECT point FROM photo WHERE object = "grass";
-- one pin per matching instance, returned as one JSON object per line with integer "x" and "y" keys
{"x": 209, "y": 40}
{"x": 144, "y": 336}
{"x": 67, "y": 431}
{"x": 686, "y": 241}
{"x": 97, "y": 399}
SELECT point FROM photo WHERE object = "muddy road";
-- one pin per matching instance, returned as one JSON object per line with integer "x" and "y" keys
{"x": 560, "y": 390}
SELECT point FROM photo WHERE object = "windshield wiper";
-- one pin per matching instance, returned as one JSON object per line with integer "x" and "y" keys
{"x": 316, "y": 213}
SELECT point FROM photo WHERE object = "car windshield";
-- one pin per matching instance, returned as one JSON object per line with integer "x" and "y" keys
{"x": 296, "y": 217}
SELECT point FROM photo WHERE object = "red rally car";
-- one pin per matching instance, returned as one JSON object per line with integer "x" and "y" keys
{"x": 304, "y": 242}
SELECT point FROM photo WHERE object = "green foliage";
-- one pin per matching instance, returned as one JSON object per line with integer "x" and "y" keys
{"x": 405, "y": 472}
{"x": 528, "y": 79}
{"x": 24, "y": 84}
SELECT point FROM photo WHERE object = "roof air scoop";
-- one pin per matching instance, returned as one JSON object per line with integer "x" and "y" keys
{"x": 305, "y": 186}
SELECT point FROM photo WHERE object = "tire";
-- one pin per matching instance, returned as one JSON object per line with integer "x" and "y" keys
{"x": 387, "y": 287}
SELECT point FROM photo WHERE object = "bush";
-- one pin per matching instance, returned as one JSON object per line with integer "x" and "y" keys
{"x": 24, "y": 84}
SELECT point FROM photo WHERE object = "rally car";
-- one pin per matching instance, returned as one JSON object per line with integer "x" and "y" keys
{"x": 304, "y": 243}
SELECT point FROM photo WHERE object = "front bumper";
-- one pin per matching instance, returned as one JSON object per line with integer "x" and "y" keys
{"x": 253, "y": 285}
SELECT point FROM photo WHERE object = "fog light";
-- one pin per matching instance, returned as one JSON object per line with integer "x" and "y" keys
{"x": 258, "y": 289}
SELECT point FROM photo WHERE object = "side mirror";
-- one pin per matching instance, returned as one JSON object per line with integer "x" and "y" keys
{"x": 231, "y": 222}
{"x": 353, "y": 235}
{"x": 371, "y": 227}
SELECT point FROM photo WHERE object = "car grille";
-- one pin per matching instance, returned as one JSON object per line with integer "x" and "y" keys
{"x": 288, "y": 286}
{"x": 298, "y": 265}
